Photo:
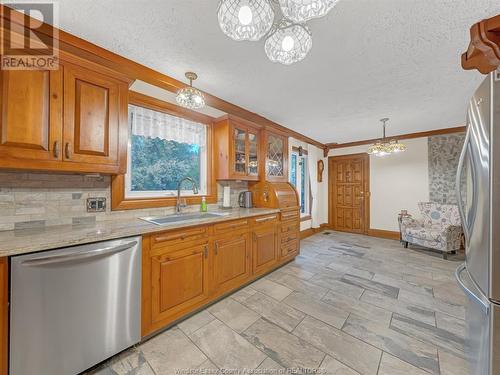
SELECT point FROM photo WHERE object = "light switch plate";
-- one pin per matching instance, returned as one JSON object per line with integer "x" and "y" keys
{"x": 96, "y": 204}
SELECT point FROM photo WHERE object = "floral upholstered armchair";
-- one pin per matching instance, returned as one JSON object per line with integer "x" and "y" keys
{"x": 440, "y": 228}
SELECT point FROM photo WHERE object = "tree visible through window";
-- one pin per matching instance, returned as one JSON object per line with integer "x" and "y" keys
{"x": 164, "y": 149}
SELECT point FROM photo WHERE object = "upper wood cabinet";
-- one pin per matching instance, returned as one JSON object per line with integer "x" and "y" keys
{"x": 275, "y": 149}
{"x": 237, "y": 149}
{"x": 91, "y": 116}
{"x": 31, "y": 117}
{"x": 71, "y": 120}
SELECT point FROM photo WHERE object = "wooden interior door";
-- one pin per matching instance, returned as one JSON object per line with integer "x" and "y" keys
{"x": 232, "y": 261}
{"x": 179, "y": 281}
{"x": 349, "y": 195}
{"x": 91, "y": 116}
{"x": 31, "y": 114}
{"x": 265, "y": 250}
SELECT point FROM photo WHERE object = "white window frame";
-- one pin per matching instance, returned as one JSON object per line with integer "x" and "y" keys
{"x": 298, "y": 167}
{"x": 202, "y": 190}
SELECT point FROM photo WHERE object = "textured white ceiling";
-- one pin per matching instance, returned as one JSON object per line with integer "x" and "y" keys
{"x": 370, "y": 59}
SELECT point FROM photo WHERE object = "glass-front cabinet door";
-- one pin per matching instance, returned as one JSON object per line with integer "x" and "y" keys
{"x": 253, "y": 154}
{"x": 276, "y": 157}
{"x": 240, "y": 151}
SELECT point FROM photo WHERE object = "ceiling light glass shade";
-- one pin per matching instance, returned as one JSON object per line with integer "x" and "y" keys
{"x": 288, "y": 44}
{"x": 304, "y": 10}
{"x": 395, "y": 146}
{"x": 245, "y": 19}
{"x": 190, "y": 97}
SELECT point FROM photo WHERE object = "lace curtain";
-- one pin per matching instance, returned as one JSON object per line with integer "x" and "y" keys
{"x": 148, "y": 123}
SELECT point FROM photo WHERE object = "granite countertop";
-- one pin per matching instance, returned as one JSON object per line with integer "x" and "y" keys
{"x": 32, "y": 240}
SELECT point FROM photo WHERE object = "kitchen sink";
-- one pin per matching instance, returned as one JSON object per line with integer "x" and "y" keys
{"x": 179, "y": 218}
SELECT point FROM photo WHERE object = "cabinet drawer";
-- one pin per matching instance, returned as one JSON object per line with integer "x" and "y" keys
{"x": 178, "y": 237}
{"x": 289, "y": 248}
{"x": 288, "y": 237}
{"x": 290, "y": 215}
{"x": 230, "y": 226}
{"x": 273, "y": 218}
{"x": 289, "y": 226}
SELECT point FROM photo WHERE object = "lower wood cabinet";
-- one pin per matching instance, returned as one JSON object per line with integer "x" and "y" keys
{"x": 4, "y": 315}
{"x": 265, "y": 250}
{"x": 184, "y": 270}
{"x": 231, "y": 261}
{"x": 175, "y": 281}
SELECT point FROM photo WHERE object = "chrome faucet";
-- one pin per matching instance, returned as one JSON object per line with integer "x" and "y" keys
{"x": 179, "y": 205}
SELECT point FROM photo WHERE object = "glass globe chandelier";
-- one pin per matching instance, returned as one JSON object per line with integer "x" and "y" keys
{"x": 281, "y": 22}
{"x": 289, "y": 43}
{"x": 304, "y": 10}
{"x": 386, "y": 147}
{"x": 245, "y": 19}
{"x": 190, "y": 97}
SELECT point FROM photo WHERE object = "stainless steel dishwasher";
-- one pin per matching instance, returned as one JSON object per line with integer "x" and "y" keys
{"x": 72, "y": 308}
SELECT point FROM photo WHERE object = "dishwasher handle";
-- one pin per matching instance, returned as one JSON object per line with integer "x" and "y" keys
{"x": 65, "y": 258}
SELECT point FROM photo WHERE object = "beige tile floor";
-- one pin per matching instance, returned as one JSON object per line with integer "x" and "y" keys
{"x": 349, "y": 304}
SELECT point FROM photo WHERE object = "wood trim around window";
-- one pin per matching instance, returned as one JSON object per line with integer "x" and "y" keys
{"x": 118, "y": 200}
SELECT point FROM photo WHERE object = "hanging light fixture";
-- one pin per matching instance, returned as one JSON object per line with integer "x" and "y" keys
{"x": 190, "y": 97}
{"x": 304, "y": 10}
{"x": 386, "y": 147}
{"x": 245, "y": 19}
{"x": 289, "y": 44}
{"x": 281, "y": 22}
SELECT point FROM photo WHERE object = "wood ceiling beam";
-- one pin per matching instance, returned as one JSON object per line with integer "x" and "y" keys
{"x": 458, "y": 129}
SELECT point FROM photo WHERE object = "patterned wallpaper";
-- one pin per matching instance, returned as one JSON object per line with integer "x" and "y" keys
{"x": 444, "y": 152}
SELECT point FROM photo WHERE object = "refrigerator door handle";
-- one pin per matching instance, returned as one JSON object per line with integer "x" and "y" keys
{"x": 484, "y": 306}
{"x": 79, "y": 255}
{"x": 467, "y": 226}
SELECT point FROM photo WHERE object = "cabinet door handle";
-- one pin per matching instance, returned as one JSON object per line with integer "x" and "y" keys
{"x": 267, "y": 218}
{"x": 254, "y": 236}
{"x": 68, "y": 150}
{"x": 56, "y": 149}
{"x": 206, "y": 251}
{"x": 216, "y": 248}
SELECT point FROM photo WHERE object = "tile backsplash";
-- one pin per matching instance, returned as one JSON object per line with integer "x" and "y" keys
{"x": 34, "y": 200}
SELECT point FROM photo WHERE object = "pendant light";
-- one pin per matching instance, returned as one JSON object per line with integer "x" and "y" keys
{"x": 289, "y": 44}
{"x": 245, "y": 19}
{"x": 190, "y": 97}
{"x": 304, "y": 10}
{"x": 386, "y": 147}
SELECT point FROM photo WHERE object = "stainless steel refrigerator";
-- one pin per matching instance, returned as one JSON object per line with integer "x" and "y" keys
{"x": 478, "y": 191}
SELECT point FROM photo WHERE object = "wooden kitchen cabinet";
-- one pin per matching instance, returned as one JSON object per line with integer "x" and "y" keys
{"x": 237, "y": 148}
{"x": 231, "y": 261}
{"x": 179, "y": 281}
{"x": 91, "y": 116}
{"x": 275, "y": 149}
{"x": 4, "y": 315}
{"x": 31, "y": 116}
{"x": 264, "y": 247}
{"x": 68, "y": 120}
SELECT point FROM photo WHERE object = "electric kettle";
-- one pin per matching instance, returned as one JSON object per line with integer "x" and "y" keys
{"x": 245, "y": 199}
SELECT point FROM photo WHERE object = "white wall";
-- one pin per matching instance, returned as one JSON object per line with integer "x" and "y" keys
{"x": 396, "y": 182}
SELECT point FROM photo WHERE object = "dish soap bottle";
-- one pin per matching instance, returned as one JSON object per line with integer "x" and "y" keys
{"x": 203, "y": 206}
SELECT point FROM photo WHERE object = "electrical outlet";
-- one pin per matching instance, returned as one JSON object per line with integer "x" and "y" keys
{"x": 96, "y": 204}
